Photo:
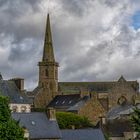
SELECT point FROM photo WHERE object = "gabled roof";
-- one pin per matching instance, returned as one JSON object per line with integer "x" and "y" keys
{"x": 121, "y": 79}
{"x": 38, "y": 125}
{"x": 65, "y": 101}
{"x": 79, "y": 104}
{"x": 121, "y": 110}
{"x": 99, "y": 87}
{"x": 82, "y": 134}
{"x": 9, "y": 89}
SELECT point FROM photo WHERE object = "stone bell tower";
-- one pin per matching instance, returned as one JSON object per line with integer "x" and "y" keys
{"x": 48, "y": 71}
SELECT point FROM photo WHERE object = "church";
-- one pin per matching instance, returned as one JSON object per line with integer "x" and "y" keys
{"x": 90, "y": 99}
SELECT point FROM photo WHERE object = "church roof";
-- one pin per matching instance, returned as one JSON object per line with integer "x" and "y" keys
{"x": 99, "y": 87}
{"x": 38, "y": 125}
{"x": 9, "y": 89}
{"x": 82, "y": 134}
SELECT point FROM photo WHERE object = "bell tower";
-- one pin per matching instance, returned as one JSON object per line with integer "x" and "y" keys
{"x": 48, "y": 67}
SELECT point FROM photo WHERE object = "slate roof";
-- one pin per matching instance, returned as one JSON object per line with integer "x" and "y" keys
{"x": 79, "y": 104}
{"x": 102, "y": 87}
{"x": 38, "y": 125}
{"x": 116, "y": 128}
{"x": 9, "y": 89}
{"x": 120, "y": 110}
{"x": 65, "y": 101}
{"x": 82, "y": 134}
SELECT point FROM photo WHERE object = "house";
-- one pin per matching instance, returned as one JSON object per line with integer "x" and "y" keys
{"x": 38, "y": 126}
{"x": 12, "y": 89}
{"x": 78, "y": 104}
{"x": 117, "y": 123}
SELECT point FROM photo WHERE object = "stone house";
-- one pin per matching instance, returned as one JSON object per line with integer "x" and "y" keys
{"x": 13, "y": 89}
{"x": 117, "y": 123}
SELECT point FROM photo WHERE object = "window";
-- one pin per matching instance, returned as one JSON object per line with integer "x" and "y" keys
{"x": 14, "y": 108}
{"x": 56, "y": 73}
{"x": 122, "y": 100}
{"x": 23, "y": 109}
{"x": 46, "y": 73}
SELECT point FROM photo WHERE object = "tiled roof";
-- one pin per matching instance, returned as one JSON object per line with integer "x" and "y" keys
{"x": 9, "y": 89}
{"x": 82, "y": 134}
{"x": 38, "y": 125}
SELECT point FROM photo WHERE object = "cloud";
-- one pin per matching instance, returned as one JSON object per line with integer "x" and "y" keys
{"x": 94, "y": 40}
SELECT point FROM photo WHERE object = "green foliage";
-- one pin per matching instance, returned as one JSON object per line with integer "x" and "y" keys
{"x": 4, "y": 109}
{"x": 9, "y": 128}
{"x": 107, "y": 136}
{"x": 67, "y": 120}
{"x": 135, "y": 119}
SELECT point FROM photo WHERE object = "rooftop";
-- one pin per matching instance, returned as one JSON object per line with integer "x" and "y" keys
{"x": 38, "y": 125}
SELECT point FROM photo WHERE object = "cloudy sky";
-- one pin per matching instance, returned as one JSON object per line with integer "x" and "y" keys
{"x": 94, "y": 40}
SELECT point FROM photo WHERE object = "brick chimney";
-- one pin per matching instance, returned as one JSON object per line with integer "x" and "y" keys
{"x": 51, "y": 113}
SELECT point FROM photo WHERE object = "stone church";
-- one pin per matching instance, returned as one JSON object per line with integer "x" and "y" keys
{"x": 91, "y": 99}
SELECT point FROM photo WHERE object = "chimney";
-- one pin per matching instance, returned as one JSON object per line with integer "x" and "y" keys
{"x": 19, "y": 83}
{"x": 103, "y": 121}
{"x": 51, "y": 113}
{"x": 73, "y": 127}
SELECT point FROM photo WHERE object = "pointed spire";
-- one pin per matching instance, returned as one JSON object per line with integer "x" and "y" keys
{"x": 48, "y": 54}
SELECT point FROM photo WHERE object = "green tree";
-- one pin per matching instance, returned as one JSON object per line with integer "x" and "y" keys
{"x": 135, "y": 119}
{"x": 68, "y": 120}
{"x": 9, "y": 128}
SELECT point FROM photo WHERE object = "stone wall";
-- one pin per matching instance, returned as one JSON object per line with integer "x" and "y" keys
{"x": 93, "y": 110}
{"x": 121, "y": 91}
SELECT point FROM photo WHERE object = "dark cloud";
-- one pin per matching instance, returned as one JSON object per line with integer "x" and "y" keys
{"x": 93, "y": 39}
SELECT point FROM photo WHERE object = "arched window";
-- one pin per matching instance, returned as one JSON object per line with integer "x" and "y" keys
{"x": 23, "y": 108}
{"x": 14, "y": 109}
{"x": 46, "y": 73}
{"x": 122, "y": 100}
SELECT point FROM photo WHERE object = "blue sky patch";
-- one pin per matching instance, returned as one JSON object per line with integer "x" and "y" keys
{"x": 136, "y": 20}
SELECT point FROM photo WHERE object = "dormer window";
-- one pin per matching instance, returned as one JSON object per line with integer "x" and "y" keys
{"x": 14, "y": 109}
{"x": 63, "y": 102}
{"x": 23, "y": 108}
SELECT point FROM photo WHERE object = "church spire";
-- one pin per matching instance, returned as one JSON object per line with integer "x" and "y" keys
{"x": 48, "y": 54}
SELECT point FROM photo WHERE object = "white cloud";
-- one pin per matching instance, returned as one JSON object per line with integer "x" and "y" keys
{"x": 93, "y": 39}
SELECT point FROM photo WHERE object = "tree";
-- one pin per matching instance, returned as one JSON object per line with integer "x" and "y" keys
{"x": 9, "y": 128}
{"x": 135, "y": 119}
{"x": 69, "y": 120}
